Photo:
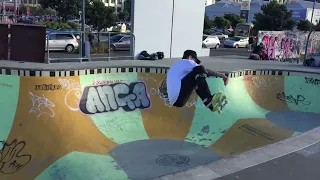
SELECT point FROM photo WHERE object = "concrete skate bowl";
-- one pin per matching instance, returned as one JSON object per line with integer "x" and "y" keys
{"x": 117, "y": 126}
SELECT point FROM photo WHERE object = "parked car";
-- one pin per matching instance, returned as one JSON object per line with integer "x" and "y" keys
{"x": 62, "y": 41}
{"x": 119, "y": 42}
{"x": 236, "y": 42}
{"x": 211, "y": 41}
{"x": 221, "y": 36}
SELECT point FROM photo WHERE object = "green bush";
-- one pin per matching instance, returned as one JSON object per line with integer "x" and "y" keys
{"x": 74, "y": 25}
{"x": 207, "y": 31}
{"x": 55, "y": 25}
{"x": 99, "y": 49}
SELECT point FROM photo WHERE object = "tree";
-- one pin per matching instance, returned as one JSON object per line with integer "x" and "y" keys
{"x": 221, "y": 23}
{"x": 234, "y": 19}
{"x": 127, "y": 7}
{"x": 207, "y": 24}
{"x": 305, "y": 25}
{"x": 64, "y": 8}
{"x": 100, "y": 16}
{"x": 123, "y": 16}
{"x": 274, "y": 17}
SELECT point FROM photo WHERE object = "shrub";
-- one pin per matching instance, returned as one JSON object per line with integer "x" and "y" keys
{"x": 55, "y": 25}
{"x": 74, "y": 25}
{"x": 99, "y": 49}
{"x": 207, "y": 31}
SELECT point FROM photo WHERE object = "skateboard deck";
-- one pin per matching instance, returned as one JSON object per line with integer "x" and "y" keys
{"x": 219, "y": 102}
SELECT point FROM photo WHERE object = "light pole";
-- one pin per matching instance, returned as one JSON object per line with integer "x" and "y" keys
{"x": 3, "y": 10}
{"x": 310, "y": 32}
{"x": 83, "y": 34}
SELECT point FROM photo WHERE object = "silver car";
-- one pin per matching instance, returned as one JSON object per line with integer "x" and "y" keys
{"x": 119, "y": 42}
{"x": 237, "y": 42}
{"x": 210, "y": 41}
{"x": 220, "y": 35}
{"x": 62, "y": 41}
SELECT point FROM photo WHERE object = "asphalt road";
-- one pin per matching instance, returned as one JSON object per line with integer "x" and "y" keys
{"x": 125, "y": 55}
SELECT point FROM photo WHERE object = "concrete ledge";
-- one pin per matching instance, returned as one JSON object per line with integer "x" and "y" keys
{"x": 248, "y": 159}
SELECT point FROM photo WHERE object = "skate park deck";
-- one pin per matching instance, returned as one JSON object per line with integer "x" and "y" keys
{"x": 114, "y": 123}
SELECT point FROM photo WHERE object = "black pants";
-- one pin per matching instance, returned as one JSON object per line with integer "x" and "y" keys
{"x": 196, "y": 79}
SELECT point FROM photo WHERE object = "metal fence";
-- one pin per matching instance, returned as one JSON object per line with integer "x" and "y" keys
{"x": 63, "y": 46}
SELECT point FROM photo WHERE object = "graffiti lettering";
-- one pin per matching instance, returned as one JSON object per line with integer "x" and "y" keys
{"x": 286, "y": 45}
{"x": 254, "y": 131}
{"x": 73, "y": 95}
{"x": 6, "y": 85}
{"x": 57, "y": 174}
{"x": 69, "y": 84}
{"x": 312, "y": 81}
{"x": 270, "y": 43}
{"x": 11, "y": 158}
{"x": 47, "y": 87}
{"x": 290, "y": 99}
{"x": 261, "y": 82}
{"x": 41, "y": 105}
{"x": 108, "y": 98}
{"x": 97, "y": 83}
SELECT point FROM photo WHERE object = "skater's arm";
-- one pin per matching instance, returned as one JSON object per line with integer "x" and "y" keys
{"x": 217, "y": 74}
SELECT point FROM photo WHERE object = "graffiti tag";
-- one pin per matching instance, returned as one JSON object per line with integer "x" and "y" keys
{"x": 290, "y": 99}
{"x": 312, "y": 81}
{"x": 47, "y": 87}
{"x": 11, "y": 157}
{"x": 97, "y": 83}
{"x": 265, "y": 83}
{"x": 109, "y": 98}
{"x": 73, "y": 95}
{"x": 41, "y": 105}
{"x": 254, "y": 131}
{"x": 6, "y": 85}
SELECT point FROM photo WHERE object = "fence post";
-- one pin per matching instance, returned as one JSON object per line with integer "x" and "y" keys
{"x": 47, "y": 42}
{"x": 109, "y": 57}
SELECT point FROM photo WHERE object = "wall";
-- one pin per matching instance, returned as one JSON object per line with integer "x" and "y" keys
{"x": 288, "y": 44}
{"x": 120, "y": 126}
{"x": 187, "y": 28}
{"x": 170, "y": 26}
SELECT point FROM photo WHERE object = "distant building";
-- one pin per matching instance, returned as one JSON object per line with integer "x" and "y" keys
{"x": 302, "y": 10}
{"x": 210, "y": 2}
{"x": 33, "y": 3}
{"x": 118, "y": 4}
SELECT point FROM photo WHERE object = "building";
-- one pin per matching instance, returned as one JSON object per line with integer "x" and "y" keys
{"x": 118, "y": 4}
{"x": 302, "y": 10}
{"x": 210, "y": 2}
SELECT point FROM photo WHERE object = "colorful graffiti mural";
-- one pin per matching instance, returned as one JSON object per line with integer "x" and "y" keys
{"x": 119, "y": 126}
{"x": 288, "y": 44}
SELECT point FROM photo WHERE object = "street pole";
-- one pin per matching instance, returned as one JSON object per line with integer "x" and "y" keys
{"x": 3, "y": 10}
{"x": 15, "y": 10}
{"x": 310, "y": 32}
{"x": 83, "y": 34}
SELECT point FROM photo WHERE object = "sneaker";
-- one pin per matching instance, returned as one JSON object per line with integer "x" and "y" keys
{"x": 208, "y": 102}
{"x": 218, "y": 102}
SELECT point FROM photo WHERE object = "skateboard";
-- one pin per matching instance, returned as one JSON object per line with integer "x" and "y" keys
{"x": 219, "y": 102}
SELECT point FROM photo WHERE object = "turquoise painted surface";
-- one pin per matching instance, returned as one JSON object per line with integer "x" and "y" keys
{"x": 240, "y": 106}
{"x": 79, "y": 165}
{"x": 301, "y": 95}
{"x": 9, "y": 87}
{"x": 119, "y": 126}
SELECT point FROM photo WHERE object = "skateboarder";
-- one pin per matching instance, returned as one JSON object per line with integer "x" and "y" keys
{"x": 186, "y": 75}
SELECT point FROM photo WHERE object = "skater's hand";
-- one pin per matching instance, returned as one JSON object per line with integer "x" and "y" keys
{"x": 225, "y": 80}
